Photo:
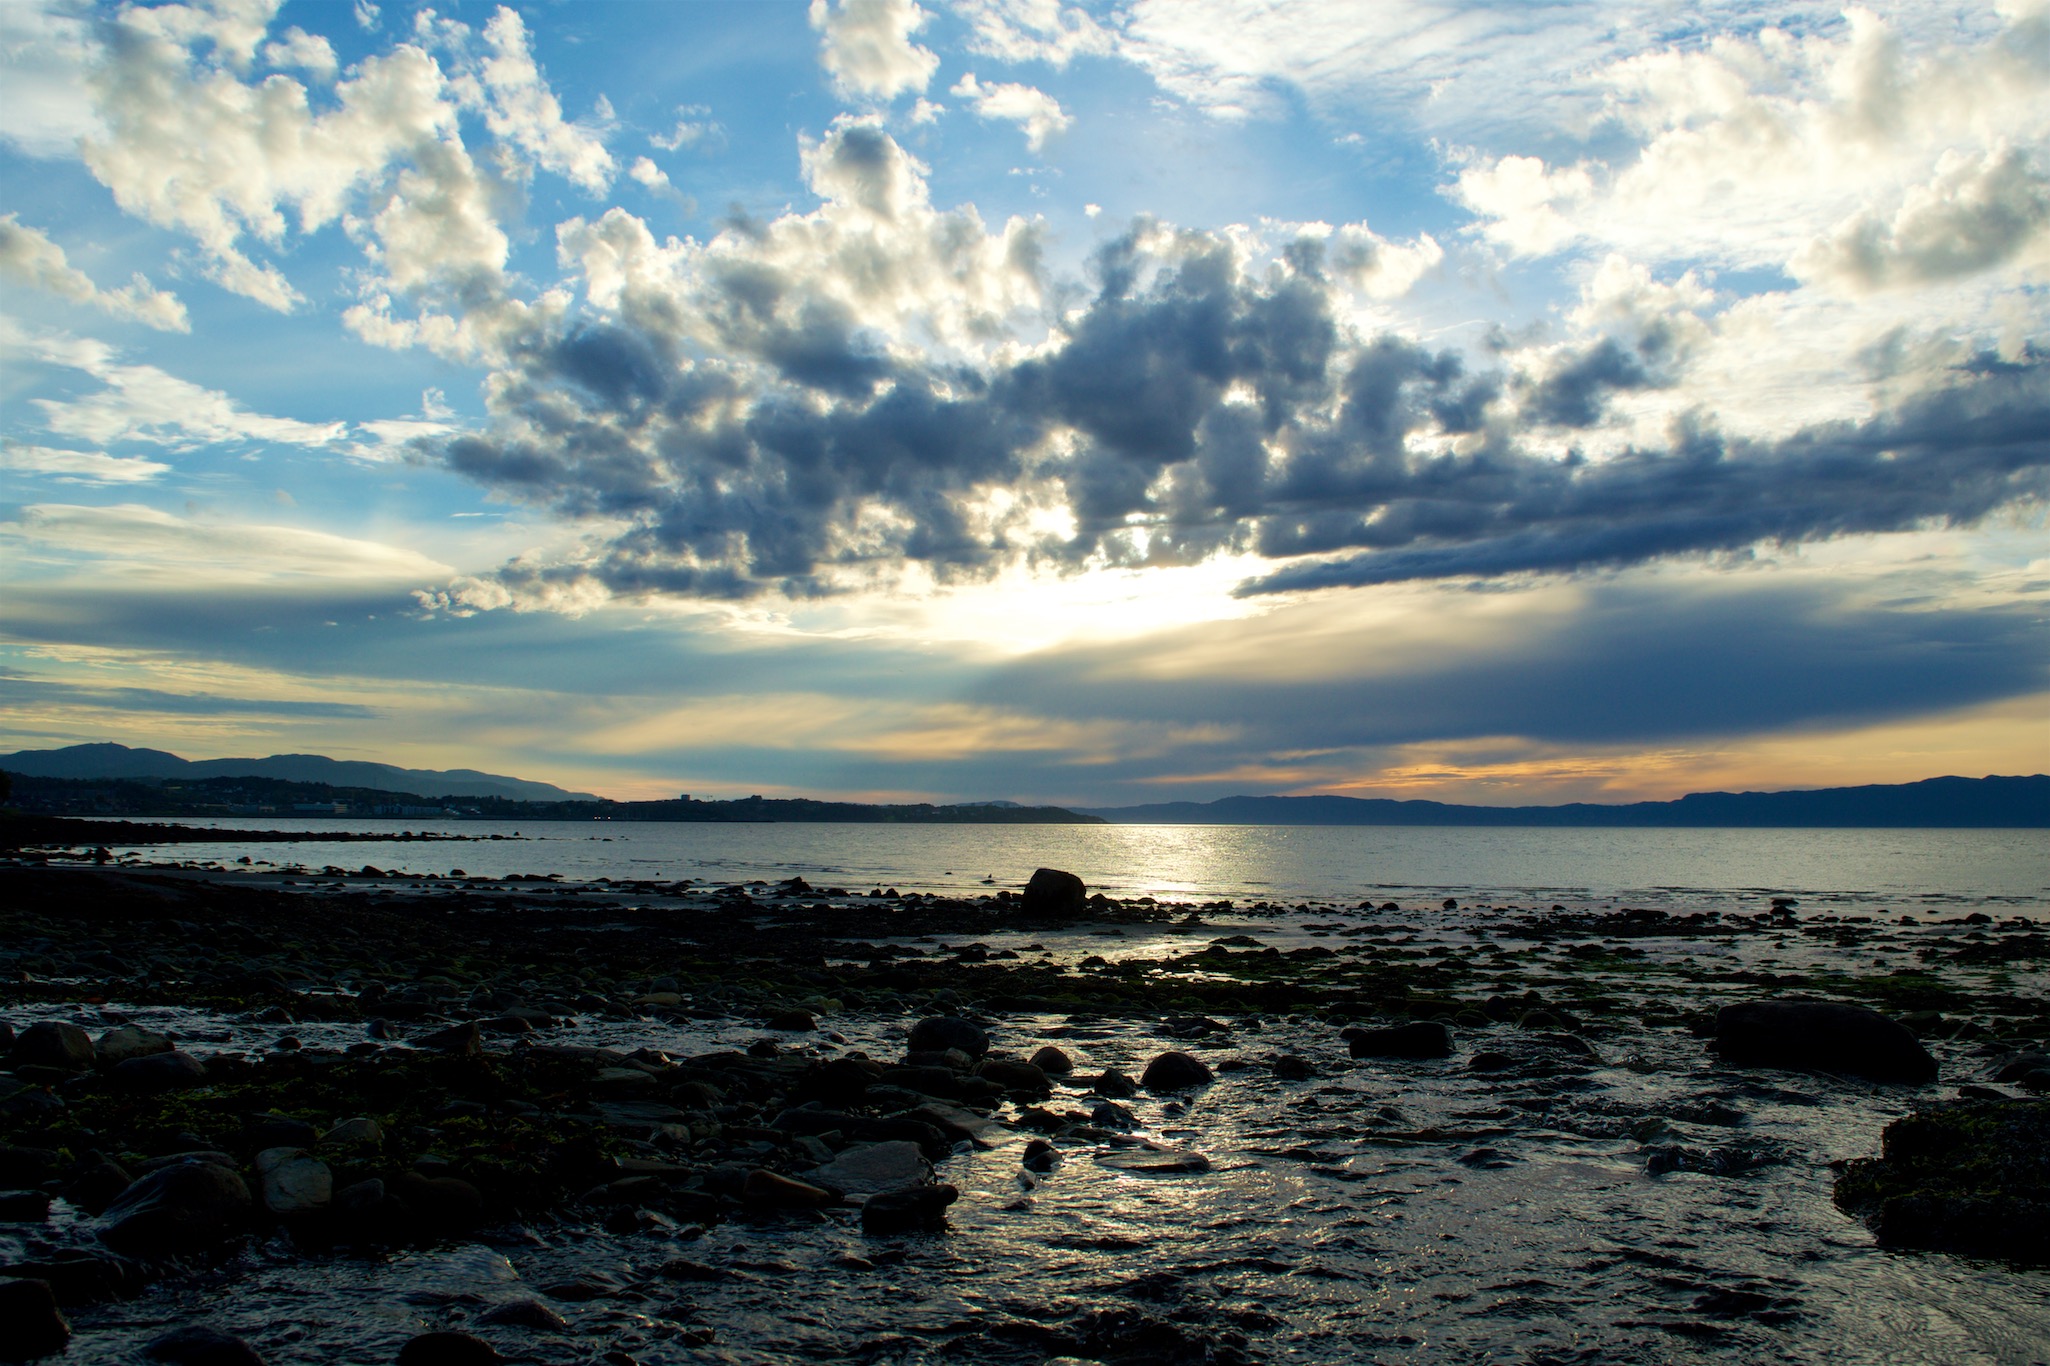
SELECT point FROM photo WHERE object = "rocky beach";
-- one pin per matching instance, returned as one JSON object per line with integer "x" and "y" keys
{"x": 343, "y": 1115}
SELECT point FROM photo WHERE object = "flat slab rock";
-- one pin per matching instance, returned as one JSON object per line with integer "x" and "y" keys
{"x": 874, "y": 1168}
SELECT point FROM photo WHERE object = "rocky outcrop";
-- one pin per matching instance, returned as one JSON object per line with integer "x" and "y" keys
{"x": 1972, "y": 1178}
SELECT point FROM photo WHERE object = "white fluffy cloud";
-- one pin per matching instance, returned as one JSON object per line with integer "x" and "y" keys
{"x": 866, "y": 46}
{"x": 1843, "y": 156}
{"x": 29, "y": 256}
{"x": 1033, "y": 110}
{"x": 525, "y": 112}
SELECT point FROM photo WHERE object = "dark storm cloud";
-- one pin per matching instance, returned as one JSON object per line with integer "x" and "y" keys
{"x": 1187, "y": 407}
{"x": 1951, "y": 457}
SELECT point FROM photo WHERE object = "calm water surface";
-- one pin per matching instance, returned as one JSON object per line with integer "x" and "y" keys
{"x": 1243, "y": 863}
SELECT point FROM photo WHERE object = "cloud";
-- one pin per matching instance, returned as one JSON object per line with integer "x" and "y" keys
{"x": 1978, "y": 212}
{"x": 1035, "y": 111}
{"x": 692, "y": 130}
{"x": 142, "y": 544}
{"x": 1949, "y": 456}
{"x": 816, "y": 402}
{"x": 1646, "y": 660}
{"x": 45, "y": 51}
{"x": 525, "y": 112}
{"x": 79, "y": 467}
{"x": 309, "y": 52}
{"x": 866, "y": 46}
{"x": 29, "y": 256}
{"x": 46, "y": 694}
{"x": 1017, "y": 31}
{"x": 143, "y": 403}
{"x": 1837, "y": 155}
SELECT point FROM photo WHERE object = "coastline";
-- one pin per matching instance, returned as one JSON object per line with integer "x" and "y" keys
{"x": 561, "y": 1008}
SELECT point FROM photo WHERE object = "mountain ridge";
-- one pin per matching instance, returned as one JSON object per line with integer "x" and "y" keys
{"x": 1992, "y": 802}
{"x": 113, "y": 761}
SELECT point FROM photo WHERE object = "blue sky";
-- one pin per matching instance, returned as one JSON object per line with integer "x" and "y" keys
{"x": 1089, "y": 403}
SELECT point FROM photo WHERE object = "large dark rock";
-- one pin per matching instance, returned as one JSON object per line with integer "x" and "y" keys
{"x": 1175, "y": 1072}
{"x": 196, "y": 1345}
{"x": 1418, "y": 1039}
{"x": 1013, "y": 1075}
{"x": 178, "y": 1210}
{"x": 34, "y": 1325}
{"x": 52, "y": 1043}
{"x": 1051, "y": 892}
{"x": 1821, "y": 1036}
{"x": 938, "y": 1033}
{"x": 154, "y": 1073}
{"x": 1972, "y": 1178}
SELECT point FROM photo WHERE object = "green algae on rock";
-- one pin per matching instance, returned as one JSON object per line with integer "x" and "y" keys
{"x": 1971, "y": 1178}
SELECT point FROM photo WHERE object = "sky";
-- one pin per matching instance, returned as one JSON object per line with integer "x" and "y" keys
{"x": 1495, "y": 401}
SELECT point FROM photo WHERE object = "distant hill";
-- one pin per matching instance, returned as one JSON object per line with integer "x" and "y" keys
{"x": 1946, "y": 803}
{"x": 109, "y": 761}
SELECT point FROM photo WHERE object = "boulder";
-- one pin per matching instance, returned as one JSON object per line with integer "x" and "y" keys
{"x": 1053, "y": 1061}
{"x": 1051, "y": 892}
{"x": 187, "y": 1208}
{"x": 793, "y": 1021}
{"x": 119, "y": 1045}
{"x": 1175, "y": 1071}
{"x": 1821, "y": 1036}
{"x": 24, "y": 1207}
{"x": 293, "y": 1181}
{"x": 1418, "y": 1039}
{"x": 52, "y": 1043}
{"x": 938, "y": 1033}
{"x": 156, "y": 1073}
{"x": 197, "y": 1345}
{"x": 35, "y": 1325}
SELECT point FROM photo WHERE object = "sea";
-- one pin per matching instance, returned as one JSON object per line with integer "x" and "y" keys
{"x": 1699, "y": 868}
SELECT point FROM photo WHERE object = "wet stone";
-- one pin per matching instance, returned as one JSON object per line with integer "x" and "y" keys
{"x": 186, "y": 1208}
{"x": 52, "y": 1043}
{"x": 448, "y": 1349}
{"x": 1420, "y": 1039}
{"x": 198, "y": 1345}
{"x": 1176, "y": 1071}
